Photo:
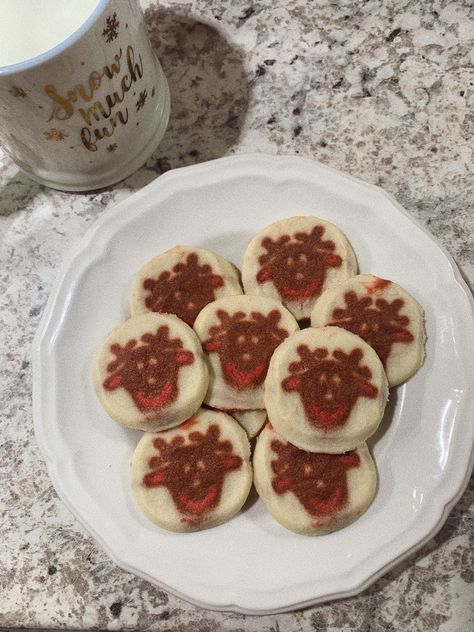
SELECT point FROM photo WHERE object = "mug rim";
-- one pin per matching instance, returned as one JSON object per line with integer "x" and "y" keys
{"x": 48, "y": 55}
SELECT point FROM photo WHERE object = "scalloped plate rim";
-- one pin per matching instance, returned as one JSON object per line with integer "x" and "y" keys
{"x": 99, "y": 232}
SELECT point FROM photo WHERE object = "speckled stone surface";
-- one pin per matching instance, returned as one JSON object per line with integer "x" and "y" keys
{"x": 381, "y": 89}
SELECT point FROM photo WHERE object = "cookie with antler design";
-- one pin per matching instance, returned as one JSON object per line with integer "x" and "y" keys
{"x": 150, "y": 373}
{"x": 182, "y": 281}
{"x": 310, "y": 492}
{"x": 384, "y": 315}
{"x": 325, "y": 390}
{"x": 195, "y": 476}
{"x": 295, "y": 260}
{"x": 239, "y": 335}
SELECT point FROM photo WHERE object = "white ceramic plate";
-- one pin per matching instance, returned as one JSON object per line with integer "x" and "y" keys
{"x": 423, "y": 449}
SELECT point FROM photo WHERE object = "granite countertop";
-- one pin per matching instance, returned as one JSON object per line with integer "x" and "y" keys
{"x": 382, "y": 90}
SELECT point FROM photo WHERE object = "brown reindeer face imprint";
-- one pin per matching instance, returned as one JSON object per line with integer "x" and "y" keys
{"x": 297, "y": 265}
{"x": 184, "y": 291}
{"x": 319, "y": 481}
{"x": 149, "y": 372}
{"x": 329, "y": 386}
{"x": 245, "y": 344}
{"x": 193, "y": 473}
{"x": 377, "y": 321}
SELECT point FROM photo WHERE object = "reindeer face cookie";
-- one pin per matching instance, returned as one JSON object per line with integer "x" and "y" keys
{"x": 239, "y": 335}
{"x": 182, "y": 281}
{"x": 309, "y": 492}
{"x": 295, "y": 260}
{"x": 384, "y": 315}
{"x": 195, "y": 476}
{"x": 325, "y": 390}
{"x": 150, "y": 373}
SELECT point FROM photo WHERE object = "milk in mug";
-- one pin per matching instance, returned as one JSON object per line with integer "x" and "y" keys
{"x": 31, "y": 27}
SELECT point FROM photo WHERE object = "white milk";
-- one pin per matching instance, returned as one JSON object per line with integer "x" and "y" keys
{"x": 31, "y": 27}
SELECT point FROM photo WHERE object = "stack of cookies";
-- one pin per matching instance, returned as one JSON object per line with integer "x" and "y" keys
{"x": 201, "y": 366}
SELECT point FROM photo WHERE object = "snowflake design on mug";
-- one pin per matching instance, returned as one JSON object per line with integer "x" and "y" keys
{"x": 141, "y": 100}
{"x": 17, "y": 92}
{"x": 111, "y": 30}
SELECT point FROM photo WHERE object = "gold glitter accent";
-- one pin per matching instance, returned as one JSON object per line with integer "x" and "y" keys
{"x": 55, "y": 134}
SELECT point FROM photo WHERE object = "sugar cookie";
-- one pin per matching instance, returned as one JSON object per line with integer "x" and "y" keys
{"x": 195, "y": 476}
{"x": 182, "y": 281}
{"x": 309, "y": 492}
{"x": 252, "y": 421}
{"x": 239, "y": 335}
{"x": 384, "y": 315}
{"x": 325, "y": 390}
{"x": 295, "y": 260}
{"x": 150, "y": 373}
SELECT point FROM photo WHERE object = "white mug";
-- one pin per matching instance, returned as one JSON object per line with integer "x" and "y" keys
{"x": 92, "y": 109}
